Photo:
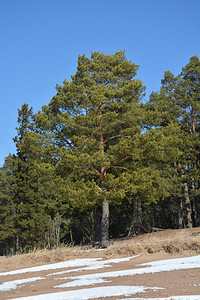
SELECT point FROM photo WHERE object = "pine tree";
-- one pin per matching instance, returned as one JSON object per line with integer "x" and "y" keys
{"x": 188, "y": 93}
{"x": 106, "y": 154}
{"x": 32, "y": 177}
{"x": 6, "y": 212}
{"x": 95, "y": 117}
{"x": 178, "y": 102}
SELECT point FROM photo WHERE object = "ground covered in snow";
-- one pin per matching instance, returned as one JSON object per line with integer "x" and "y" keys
{"x": 94, "y": 275}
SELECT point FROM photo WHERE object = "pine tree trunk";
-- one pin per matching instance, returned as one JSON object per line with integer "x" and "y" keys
{"x": 194, "y": 200}
{"x": 180, "y": 218}
{"x": 136, "y": 225}
{"x": 98, "y": 225}
{"x": 71, "y": 236}
{"x": 188, "y": 205}
{"x": 105, "y": 224}
{"x": 138, "y": 214}
{"x": 194, "y": 212}
{"x": 105, "y": 205}
{"x": 18, "y": 244}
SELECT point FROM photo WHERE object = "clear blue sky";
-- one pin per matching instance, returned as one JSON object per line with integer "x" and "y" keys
{"x": 40, "y": 41}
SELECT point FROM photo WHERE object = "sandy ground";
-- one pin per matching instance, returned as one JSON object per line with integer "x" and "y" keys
{"x": 172, "y": 283}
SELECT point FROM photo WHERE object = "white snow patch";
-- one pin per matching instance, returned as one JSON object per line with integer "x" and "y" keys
{"x": 12, "y": 285}
{"x": 88, "y": 262}
{"x": 118, "y": 260}
{"x": 156, "y": 266}
{"x": 61, "y": 265}
{"x": 94, "y": 265}
{"x": 96, "y": 292}
{"x": 178, "y": 261}
{"x": 82, "y": 282}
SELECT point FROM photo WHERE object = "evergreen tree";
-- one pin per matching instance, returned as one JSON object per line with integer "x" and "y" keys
{"x": 32, "y": 173}
{"x": 6, "y": 212}
{"x": 96, "y": 116}
{"x": 97, "y": 120}
{"x": 188, "y": 93}
{"x": 178, "y": 102}
{"x": 20, "y": 172}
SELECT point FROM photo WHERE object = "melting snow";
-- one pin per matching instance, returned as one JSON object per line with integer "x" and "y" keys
{"x": 82, "y": 282}
{"x": 66, "y": 264}
{"x": 89, "y": 262}
{"x": 96, "y": 292}
{"x": 156, "y": 266}
{"x": 12, "y": 285}
{"x": 94, "y": 265}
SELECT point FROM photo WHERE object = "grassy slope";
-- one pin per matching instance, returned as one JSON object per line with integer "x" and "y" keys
{"x": 171, "y": 241}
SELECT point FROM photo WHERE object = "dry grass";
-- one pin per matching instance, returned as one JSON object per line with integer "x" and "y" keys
{"x": 167, "y": 241}
{"x": 41, "y": 257}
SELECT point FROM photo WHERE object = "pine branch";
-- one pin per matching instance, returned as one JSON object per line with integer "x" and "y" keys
{"x": 124, "y": 159}
{"x": 64, "y": 138}
{"x": 123, "y": 168}
{"x": 98, "y": 188}
{"x": 113, "y": 137}
{"x": 95, "y": 171}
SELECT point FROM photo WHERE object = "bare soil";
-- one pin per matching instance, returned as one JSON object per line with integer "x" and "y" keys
{"x": 160, "y": 245}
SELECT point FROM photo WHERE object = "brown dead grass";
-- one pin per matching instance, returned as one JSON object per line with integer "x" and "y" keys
{"x": 41, "y": 257}
{"x": 180, "y": 241}
{"x": 171, "y": 241}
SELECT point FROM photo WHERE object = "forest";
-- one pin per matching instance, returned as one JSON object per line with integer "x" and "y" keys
{"x": 98, "y": 162}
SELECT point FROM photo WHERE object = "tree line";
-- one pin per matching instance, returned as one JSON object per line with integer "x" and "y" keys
{"x": 98, "y": 163}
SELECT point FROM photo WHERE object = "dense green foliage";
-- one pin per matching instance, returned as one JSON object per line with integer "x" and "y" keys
{"x": 97, "y": 162}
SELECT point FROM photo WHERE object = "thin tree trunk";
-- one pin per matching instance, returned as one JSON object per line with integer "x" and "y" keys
{"x": 105, "y": 205}
{"x": 105, "y": 224}
{"x": 180, "y": 217}
{"x": 194, "y": 212}
{"x": 18, "y": 244}
{"x": 136, "y": 225}
{"x": 57, "y": 224}
{"x": 139, "y": 212}
{"x": 188, "y": 205}
{"x": 71, "y": 235}
{"x": 194, "y": 200}
{"x": 187, "y": 202}
{"x": 98, "y": 225}
{"x": 196, "y": 206}
{"x": 193, "y": 120}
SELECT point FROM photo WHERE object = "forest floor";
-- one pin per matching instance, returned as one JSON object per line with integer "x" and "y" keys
{"x": 159, "y": 265}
